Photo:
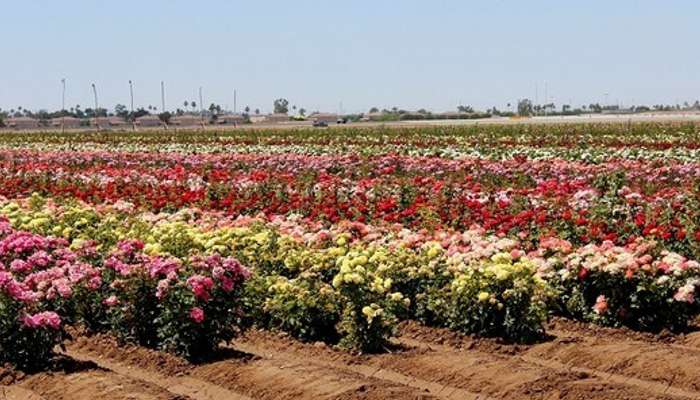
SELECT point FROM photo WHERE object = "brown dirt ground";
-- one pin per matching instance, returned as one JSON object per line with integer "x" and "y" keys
{"x": 577, "y": 362}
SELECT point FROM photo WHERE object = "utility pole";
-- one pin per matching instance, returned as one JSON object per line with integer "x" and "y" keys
{"x": 162, "y": 101}
{"x": 131, "y": 92}
{"x": 201, "y": 107}
{"x": 63, "y": 106}
{"x": 546, "y": 99}
{"x": 97, "y": 121}
{"x": 537, "y": 98}
{"x": 235, "y": 104}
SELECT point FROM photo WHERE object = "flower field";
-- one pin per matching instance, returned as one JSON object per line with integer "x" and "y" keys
{"x": 438, "y": 254}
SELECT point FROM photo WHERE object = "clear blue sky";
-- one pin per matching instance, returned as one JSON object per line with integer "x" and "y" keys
{"x": 364, "y": 53}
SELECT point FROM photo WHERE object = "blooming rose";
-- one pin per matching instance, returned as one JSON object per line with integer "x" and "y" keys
{"x": 201, "y": 285}
{"x": 197, "y": 315}
{"x": 111, "y": 301}
{"x": 601, "y": 305}
{"x": 43, "y": 319}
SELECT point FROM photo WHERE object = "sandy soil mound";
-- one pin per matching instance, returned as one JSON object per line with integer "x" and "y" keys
{"x": 577, "y": 362}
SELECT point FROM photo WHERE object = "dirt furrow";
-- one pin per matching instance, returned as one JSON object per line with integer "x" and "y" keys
{"x": 657, "y": 388}
{"x": 367, "y": 371}
{"x": 685, "y": 342}
{"x": 453, "y": 374}
{"x": 494, "y": 373}
{"x": 183, "y": 385}
{"x": 18, "y": 393}
{"x": 301, "y": 378}
{"x": 245, "y": 374}
{"x": 608, "y": 355}
{"x": 92, "y": 384}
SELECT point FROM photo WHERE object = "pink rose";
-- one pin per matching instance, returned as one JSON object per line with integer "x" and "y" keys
{"x": 111, "y": 301}
{"x": 201, "y": 285}
{"x": 43, "y": 319}
{"x": 162, "y": 288}
{"x": 685, "y": 294}
{"x": 197, "y": 315}
{"x": 601, "y": 305}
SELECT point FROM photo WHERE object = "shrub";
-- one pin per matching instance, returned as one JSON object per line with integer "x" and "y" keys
{"x": 133, "y": 302}
{"x": 638, "y": 285}
{"x": 200, "y": 310}
{"x": 27, "y": 340}
{"x": 186, "y": 308}
{"x": 38, "y": 279}
{"x": 305, "y": 307}
{"x": 499, "y": 297}
{"x": 369, "y": 305}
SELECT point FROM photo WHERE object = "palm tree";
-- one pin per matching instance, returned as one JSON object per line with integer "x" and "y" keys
{"x": 186, "y": 103}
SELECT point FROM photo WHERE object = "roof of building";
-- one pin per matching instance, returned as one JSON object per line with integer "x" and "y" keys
{"x": 111, "y": 120}
{"x": 21, "y": 119}
{"x": 66, "y": 118}
{"x": 148, "y": 117}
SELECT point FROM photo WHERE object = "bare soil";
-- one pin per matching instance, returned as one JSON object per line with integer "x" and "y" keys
{"x": 578, "y": 361}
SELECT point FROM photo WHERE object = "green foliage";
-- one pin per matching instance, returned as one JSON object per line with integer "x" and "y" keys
{"x": 180, "y": 333}
{"x": 28, "y": 349}
{"x": 281, "y": 106}
{"x": 499, "y": 298}
{"x": 306, "y": 308}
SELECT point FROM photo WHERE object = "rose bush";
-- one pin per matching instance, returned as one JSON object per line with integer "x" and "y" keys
{"x": 184, "y": 306}
{"x": 40, "y": 279}
{"x": 639, "y": 285}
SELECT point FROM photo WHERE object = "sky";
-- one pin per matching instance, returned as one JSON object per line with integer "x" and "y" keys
{"x": 322, "y": 55}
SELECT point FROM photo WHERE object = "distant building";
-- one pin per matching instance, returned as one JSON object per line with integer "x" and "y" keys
{"x": 373, "y": 116}
{"x": 276, "y": 118}
{"x": 148, "y": 121}
{"x": 617, "y": 111}
{"x": 186, "y": 120}
{"x": 66, "y": 122}
{"x": 257, "y": 118}
{"x": 230, "y": 119}
{"x": 108, "y": 122}
{"x": 453, "y": 115}
{"x": 22, "y": 123}
{"x": 324, "y": 117}
{"x": 415, "y": 116}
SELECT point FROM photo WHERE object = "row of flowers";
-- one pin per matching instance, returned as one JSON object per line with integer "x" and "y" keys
{"x": 583, "y": 203}
{"x": 588, "y": 142}
{"x": 186, "y": 306}
{"x": 186, "y": 281}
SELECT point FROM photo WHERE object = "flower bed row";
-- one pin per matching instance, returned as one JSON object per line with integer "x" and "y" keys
{"x": 619, "y": 200}
{"x": 184, "y": 282}
{"x": 588, "y": 142}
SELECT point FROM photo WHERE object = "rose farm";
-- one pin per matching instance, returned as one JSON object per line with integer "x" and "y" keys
{"x": 463, "y": 262}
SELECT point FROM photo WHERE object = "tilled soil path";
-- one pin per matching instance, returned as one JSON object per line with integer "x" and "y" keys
{"x": 578, "y": 362}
